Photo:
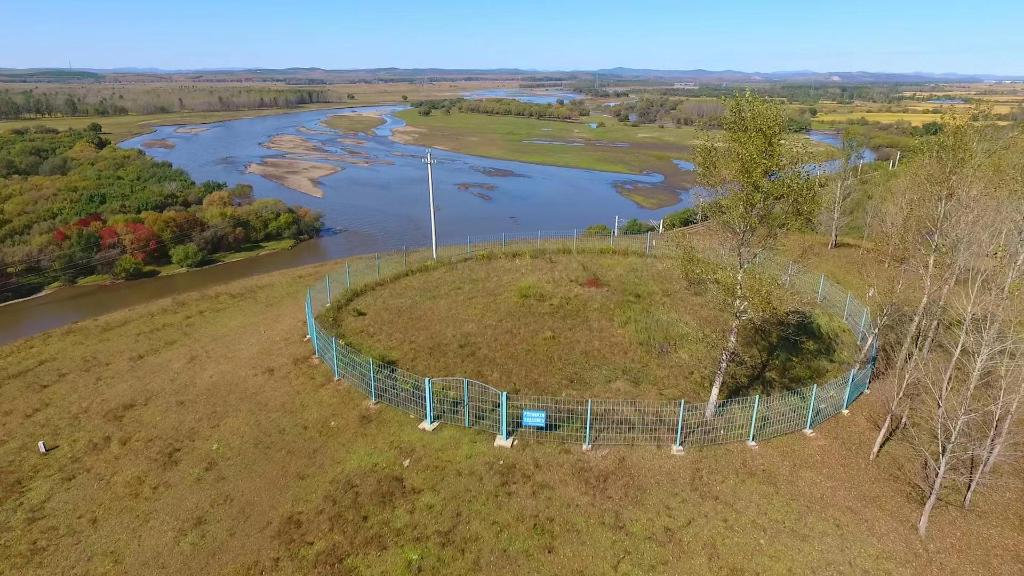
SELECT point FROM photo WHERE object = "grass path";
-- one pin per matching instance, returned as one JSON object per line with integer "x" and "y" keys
{"x": 195, "y": 436}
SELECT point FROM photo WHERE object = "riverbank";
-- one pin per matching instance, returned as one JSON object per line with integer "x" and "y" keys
{"x": 247, "y": 251}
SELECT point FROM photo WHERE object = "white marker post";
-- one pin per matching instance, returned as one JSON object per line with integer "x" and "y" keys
{"x": 429, "y": 161}
{"x": 897, "y": 164}
{"x": 42, "y": 447}
{"x": 615, "y": 230}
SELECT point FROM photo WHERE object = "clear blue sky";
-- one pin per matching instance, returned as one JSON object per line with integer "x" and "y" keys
{"x": 763, "y": 35}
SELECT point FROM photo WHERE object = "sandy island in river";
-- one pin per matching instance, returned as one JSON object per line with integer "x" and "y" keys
{"x": 299, "y": 175}
{"x": 305, "y": 148}
{"x": 191, "y": 129}
{"x": 164, "y": 144}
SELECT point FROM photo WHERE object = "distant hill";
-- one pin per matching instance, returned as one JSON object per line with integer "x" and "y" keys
{"x": 309, "y": 75}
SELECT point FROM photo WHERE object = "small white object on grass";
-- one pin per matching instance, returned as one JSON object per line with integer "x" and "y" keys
{"x": 42, "y": 447}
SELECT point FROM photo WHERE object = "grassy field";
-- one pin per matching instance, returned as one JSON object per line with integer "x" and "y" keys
{"x": 194, "y": 435}
{"x": 914, "y": 118}
{"x": 613, "y": 147}
{"x": 600, "y": 326}
{"x": 506, "y": 137}
{"x": 353, "y": 123}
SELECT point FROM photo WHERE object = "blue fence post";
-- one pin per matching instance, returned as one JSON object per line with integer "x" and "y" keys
{"x": 846, "y": 309}
{"x": 429, "y": 399}
{"x": 327, "y": 283}
{"x": 821, "y": 286}
{"x": 538, "y": 238}
{"x": 405, "y": 257}
{"x": 677, "y": 448}
{"x": 348, "y": 275}
{"x": 316, "y": 347}
{"x": 377, "y": 256}
{"x": 334, "y": 356}
{"x": 586, "y": 434}
{"x": 503, "y": 241}
{"x": 574, "y": 240}
{"x": 810, "y": 411}
{"x": 428, "y": 423}
{"x": 849, "y": 387}
{"x": 373, "y": 383}
{"x": 753, "y": 421}
{"x": 504, "y": 415}
{"x": 467, "y": 243}
{"x": 465, "y": 399}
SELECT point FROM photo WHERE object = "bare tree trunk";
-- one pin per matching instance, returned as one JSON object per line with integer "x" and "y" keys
{"x": 933, "y": 496}
{"x": 723, "y": 364}
{"x": 738, "y": 310}
{"x": 837, "y": 207}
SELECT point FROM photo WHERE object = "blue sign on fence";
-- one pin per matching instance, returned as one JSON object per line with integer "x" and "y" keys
{"x": 534, "y": 418}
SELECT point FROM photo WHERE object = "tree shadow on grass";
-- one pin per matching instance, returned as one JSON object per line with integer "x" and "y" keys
{"x": 787, "y": 351}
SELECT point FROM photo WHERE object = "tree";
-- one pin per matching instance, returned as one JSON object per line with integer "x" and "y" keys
{"x": 187, "y": 255}
{"x": 761, "y": 191}
{"x": 936, "y": 195}
{"x": 844, "y": 186}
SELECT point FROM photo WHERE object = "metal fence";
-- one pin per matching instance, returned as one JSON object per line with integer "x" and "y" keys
{"x": 586, "y": 421}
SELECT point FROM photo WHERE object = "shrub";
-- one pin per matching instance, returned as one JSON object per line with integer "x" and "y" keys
{"x": 187, "y": 255}
{"x": 597, "y": 230}
{"x": 682, "y": 218}
{"x": 127, "y": 268}
{"x": 634, "y": 226}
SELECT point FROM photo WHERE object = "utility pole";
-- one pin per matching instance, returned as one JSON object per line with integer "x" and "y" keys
{"x": 429, "y": 161}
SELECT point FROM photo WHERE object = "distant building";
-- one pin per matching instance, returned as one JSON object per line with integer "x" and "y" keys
{"x": 686, "y": 85}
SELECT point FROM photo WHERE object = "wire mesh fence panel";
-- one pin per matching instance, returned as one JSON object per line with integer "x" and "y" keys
{"x": 860, "y": 383}
{"x": 565, "y": 419}
{"x": 730, "y": 423}
{"x": 829, "y": 400}
{"x": 484, "y": 406}
{"x": 357, "y": 369}
{"x": 782, "y": 413}
{"x": 633, "y": 422}
{"x": 450, "y": 402}
{"x": 401, "y": 389}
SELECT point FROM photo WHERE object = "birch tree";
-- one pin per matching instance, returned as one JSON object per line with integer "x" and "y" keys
{"x": 937, "y": 191}
{"x": 839, "y": 193}
{"x": 761, "y": 190}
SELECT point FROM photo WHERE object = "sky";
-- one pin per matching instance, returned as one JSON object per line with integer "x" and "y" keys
{"x": 753, "y": 36}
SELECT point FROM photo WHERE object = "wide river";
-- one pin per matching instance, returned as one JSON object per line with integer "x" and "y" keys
{"x": 378, "y": 201}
